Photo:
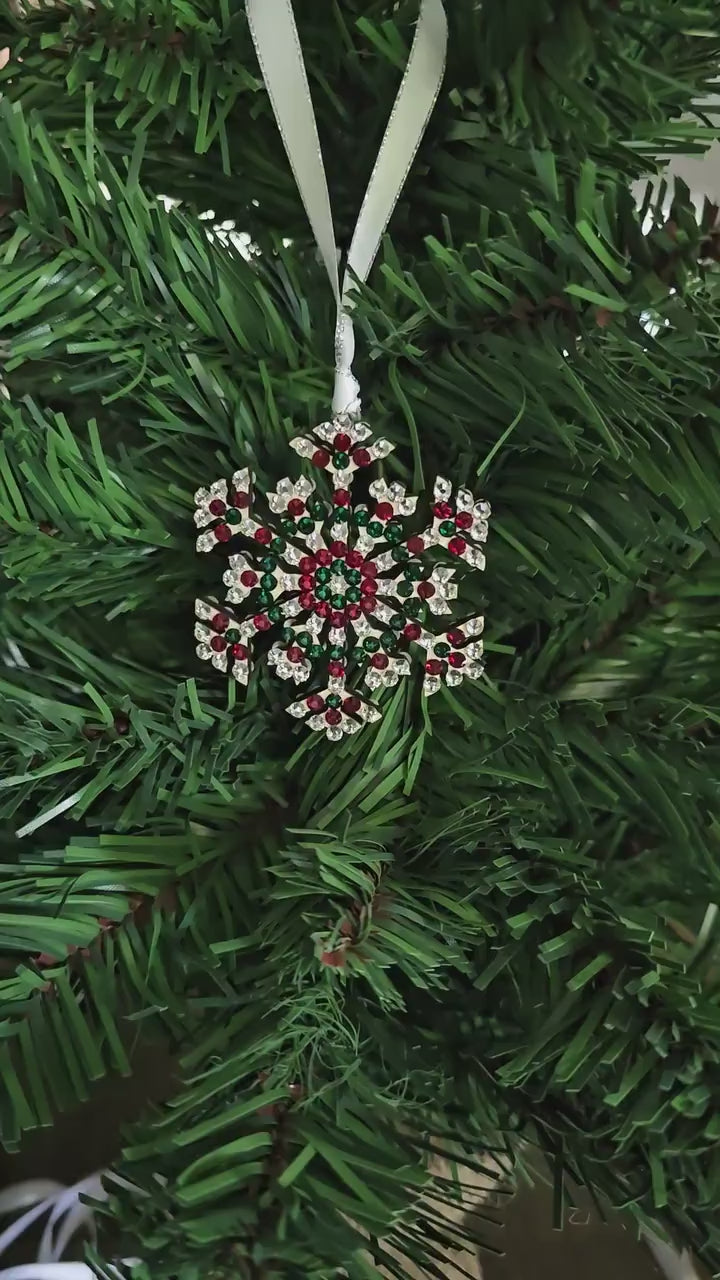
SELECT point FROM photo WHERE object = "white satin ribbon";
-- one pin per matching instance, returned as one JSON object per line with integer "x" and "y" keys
{"x": 274, "y": 33}
{"x": 66, "y": 1214}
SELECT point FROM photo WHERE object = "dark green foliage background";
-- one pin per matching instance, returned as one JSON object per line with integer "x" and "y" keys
{"x": 529, "y": 867}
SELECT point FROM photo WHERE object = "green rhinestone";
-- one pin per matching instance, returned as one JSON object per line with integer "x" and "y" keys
{"x": 278, "y": 545}
{"x": 340, "y": 461}
{"x": 404, "y": 589}
{"x": 388, "y": 640}
{"x": 288, "y": 527}
{"x": 232, "y": 636}
{"x": 415, "y": 572}
{"x": 394, "y": 533}
{"x": 232, "y": 516}
{"x": 316, "y": 651}
{"x": 317, "y": 509}
{"x": 352, "y": 595}
{"x": 323, "y": 575}
{"x": 304, "y": 639}
{"x": 375, "y": 529}
{"x": 267, "y": 581}
{"x": 353, "y": 576}
{"x": 371, "y": 644}
{"x": 397, "y": 621}
{"x": 337, "y": 602}
{"x": 268, "y": 563}
{"x": 399, "y": 554}
{"x": 448, "y": 529}
{"x": 442, "y": 650}
{"x": 336, "y": 652}
{"x": 337, "y": 566}
{"x": 361, "y": 516}
{"x": 339, "y": 515}
{"x": 414, "y": 608}
{"x": 323, "y": 593}
{"x": 333, "y": 700}
{"x": 264, "y": 598}
{"x": 275, "y": 614}
{"x": 306, "y": 524}
{"x": 287, "y": 632}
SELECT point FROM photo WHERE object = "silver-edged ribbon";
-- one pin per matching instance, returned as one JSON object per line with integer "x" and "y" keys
{"x": 276, "y": 40}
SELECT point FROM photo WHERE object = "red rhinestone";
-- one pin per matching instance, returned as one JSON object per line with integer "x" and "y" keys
{"x": 264, "y": 536}
{"x": 352, "y": 704}
{"x": 354, "y": 559}
{"x": 307, "y": 564}
{"x": 456, "y": 638}
{"x": 323, "y": 557}
{"x": 464, "y": 520}
{"x": 240, "y": 499}
{"x": 342, "y": 442}
{"x": 336, "y": 668}
{"x": 434, "y": 667}
{"x": 369, "y": 569}
{"x": 442, "y": 510}
{"x": 456, "y": 546}
{"x": 412, "y": 631}
{"x": 321, "y": 457}
{"x": 295, "y": 507}
{"x": 456, "y": 659}
{"x": 361, "y": 458}
{"x": 333, "y": 716}
{"x": 384, "y": 511}
{"x": 315, "y": 702}
{"x": 337, "y": 618}
{"x": 368, "y": 604}
{"x": 338, "y": 549}
{"x": 341, "y": 497}
{"x": 368, "y": 586}
{"x": 218, "y": 643}
{"x": 216, "y": 507}
{"x": 307, "y": 582}
{"x": 380, "y": 661}
{"x": 307, "y": 600}
{"x": 322, "y": 608}
{"x": 294, "y": 653}
{"x": 240, "y": 652}
{"x": 415, "y": 545}
{"x": 220, "y": 622}
{"x": 248, "y": 578}
{"x": 353, "y": 611}
{"x": 222, "y": 533}
{"x": 261, "y": 623}
{"x": 425, "y": 590}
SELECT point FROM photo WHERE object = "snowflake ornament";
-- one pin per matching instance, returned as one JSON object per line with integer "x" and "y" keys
{"x": 352, "y": 595}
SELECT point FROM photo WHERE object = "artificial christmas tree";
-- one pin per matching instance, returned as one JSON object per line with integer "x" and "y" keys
{"x": 485, "y": 922}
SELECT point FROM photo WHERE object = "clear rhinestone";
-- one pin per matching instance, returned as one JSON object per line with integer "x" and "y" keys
{"x": 336, "y": 684}
{"x": 402, "y": 666}
{"x": 381, "y": 449}
{"x": 339, "y": 531}
{"x": 480, "y": 531}
{"x": 431, "y": 684}
{"x": 442, "y": 489}
{"x": 454, "y": 677}
{"x": 474, "y": 626}
{"x": 317, "y": 722}
{"x": 219, "y": 660}
{"x": 202, "y": 517}
{"x": 205, "y": 610}
{"x": 465, "y": 500}
{"x": 327, "y": 431}
{"x": 474, "y": 650}
{"x": 203, "y": 651}
{"x": 389, "y": 678}
{"x": 290, "y": 608}
{"x": 303, "y": 446}
{"x": 276, "y": 503}
{"x": 334, "y": 732}
{"x": 337, "y": 635}
{"x": 360, "y": 431}
{"x": 315, "y": 624}
{"x": 362, "y": 626}
{"x": 343, "y": 479}
{"x": 351, "y": 726}
{"x": 292, "y": 555}
{"x": 201, "y": 632}
{"x": 201, "y": 497}
{"x": 241, "y": 672}
{"x": 474, "y": 670}
{"x": 285, "y": 669}
{"x": 205, "y": 542}
{"x": 383, "y": 612}
{"x": 303, "y": 487}
{"x": 247, "y": 629}
{"x": 250, "y": 526}
{"x": 474, "y": 557}
{"x": 483, "y": 509}
{"x": 385, "y": 561}
{"x": 364, "y": 543}
{"x": 373, "y": 679}
{"x": 314, "y": 540}
{"x": 241, "y": 480}
{"x": 297, "y": 709}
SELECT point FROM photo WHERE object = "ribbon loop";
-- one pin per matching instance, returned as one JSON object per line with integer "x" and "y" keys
{"x": 276, "y": 40}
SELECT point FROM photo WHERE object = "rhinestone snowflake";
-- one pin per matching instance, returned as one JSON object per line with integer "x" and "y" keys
{"x": 351, "y": 592}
